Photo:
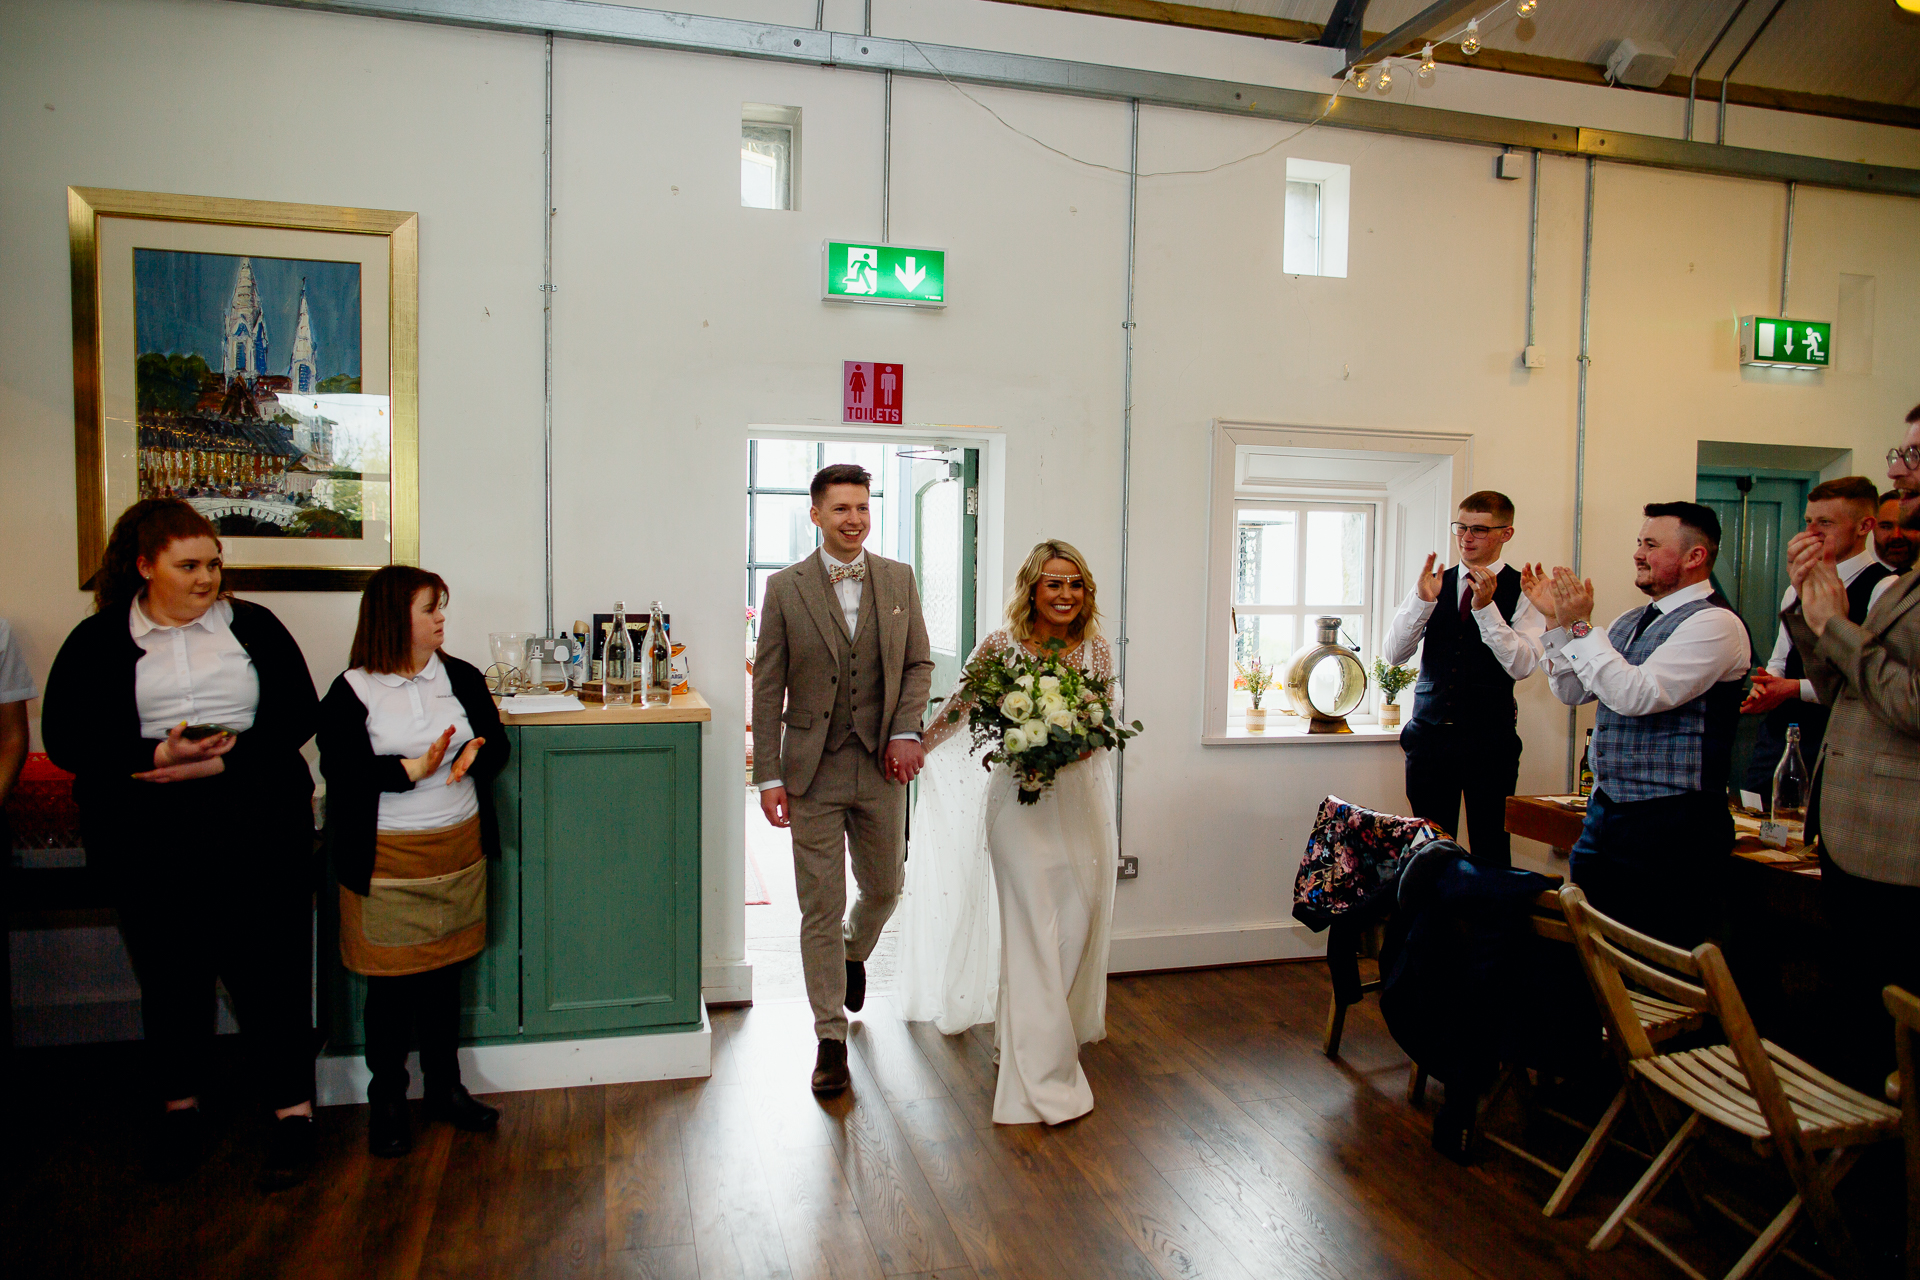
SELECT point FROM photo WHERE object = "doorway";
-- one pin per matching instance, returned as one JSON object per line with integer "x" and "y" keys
{"x": 926, "y": 509}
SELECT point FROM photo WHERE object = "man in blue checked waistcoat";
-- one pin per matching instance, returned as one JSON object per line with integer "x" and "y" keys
{"x": 1669, "y": 678}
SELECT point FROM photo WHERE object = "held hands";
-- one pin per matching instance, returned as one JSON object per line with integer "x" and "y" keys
{"x": 1537, "y": 585}
{"x": 1768, "y": 692}
{"x": 773, "y": 803}
{"x": 178, "y": 758}
{"x": 1427, "y": 585}
{"x": 1572, "y": 597}
{"x": 904, "y": 759}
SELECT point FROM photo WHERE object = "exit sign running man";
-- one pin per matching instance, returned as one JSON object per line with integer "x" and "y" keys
{"x": 897, "y": 275}
{"x": 1785, "y": 344}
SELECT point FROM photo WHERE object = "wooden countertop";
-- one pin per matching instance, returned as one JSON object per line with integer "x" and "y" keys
{"x": 685, "y": 708}
{"x": 1553, "y": 820}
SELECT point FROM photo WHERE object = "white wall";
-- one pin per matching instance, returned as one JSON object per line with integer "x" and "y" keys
{"x": 681, "y": 318}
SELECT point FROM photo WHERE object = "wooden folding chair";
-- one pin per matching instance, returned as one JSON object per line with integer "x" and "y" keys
{"x": 1906, "y": 1043}
{"x": 1660, "y": 1020}
{"x": 1748, "y": 1085}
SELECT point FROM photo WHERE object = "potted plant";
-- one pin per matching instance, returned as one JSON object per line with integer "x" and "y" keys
{"x": 1256, "y": 678}
{"x": 1391, "y": 681}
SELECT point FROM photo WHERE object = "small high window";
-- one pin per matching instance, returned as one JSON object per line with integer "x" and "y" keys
{"x": 769, "y": 156}
{"x": 1314, "y": 221}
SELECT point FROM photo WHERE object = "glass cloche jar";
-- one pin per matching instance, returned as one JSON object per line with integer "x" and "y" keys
{"x": 1325, "y": 683}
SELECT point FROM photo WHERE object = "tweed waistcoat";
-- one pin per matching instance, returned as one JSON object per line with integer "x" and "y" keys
{"x": 1687, "y": 748}
{"x": 861, "y": 686}
{"x": 1812, "y": 716}
{"x": 1461, "y": 681}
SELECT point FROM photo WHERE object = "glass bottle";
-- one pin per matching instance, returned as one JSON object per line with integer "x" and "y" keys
{"x": 617, "y": 663}
{"x": 657, "y": 670}
{"x": 1790, "y": 781}
{"x": 1586, "y": 766}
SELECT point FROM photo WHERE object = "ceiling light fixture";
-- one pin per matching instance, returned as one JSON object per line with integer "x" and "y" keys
{"x": 1470, "y": 43}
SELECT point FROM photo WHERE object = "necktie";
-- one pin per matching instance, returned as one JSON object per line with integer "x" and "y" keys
{"x": 1466, "y": 597}
{"x": 1647, "y": 615}
{"x": 839, "y": 572}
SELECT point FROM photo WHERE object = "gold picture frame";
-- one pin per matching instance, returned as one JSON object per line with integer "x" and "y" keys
{"x": 111, "y": 228}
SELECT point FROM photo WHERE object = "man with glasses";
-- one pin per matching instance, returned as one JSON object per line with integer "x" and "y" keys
{"x": 1840, "y": 514}
{"x": 1461, "y": 740}
{"x": 1866, "y": 794}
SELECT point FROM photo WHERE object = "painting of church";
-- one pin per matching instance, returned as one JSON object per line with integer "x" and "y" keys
{"x": 245, "y": 429}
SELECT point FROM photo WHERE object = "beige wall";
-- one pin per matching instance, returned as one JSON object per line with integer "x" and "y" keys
{"x": 682, "y": 318}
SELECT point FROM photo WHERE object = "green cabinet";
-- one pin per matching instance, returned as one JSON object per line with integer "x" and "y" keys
{"x": 593, "y": 907}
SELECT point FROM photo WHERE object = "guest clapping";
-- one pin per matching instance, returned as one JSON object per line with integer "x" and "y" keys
{"x": 181, "y": 712}
{"x": 410, "y": 743}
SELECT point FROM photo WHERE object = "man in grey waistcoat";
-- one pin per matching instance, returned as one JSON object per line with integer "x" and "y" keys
{"x": 1669, "y": 678}
{"x": 840, "y": 683}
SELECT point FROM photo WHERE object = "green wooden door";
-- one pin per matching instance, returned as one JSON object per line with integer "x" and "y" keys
{"x": 1755, "y": 526}
{"x": 610, "y": 877}
{"x": 490, "y": 984}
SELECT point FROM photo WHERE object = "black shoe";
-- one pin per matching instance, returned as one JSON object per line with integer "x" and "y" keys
{"x": 175, "y": 1144}
{"x": 856, "y": 985}
{"x": 289, "y": 1153}
{"x": 830, "y": 1068}
{"x": 389, "y": 1132}
{"x": 1453, "y": 1133}
{"x": 458, "y": 1108}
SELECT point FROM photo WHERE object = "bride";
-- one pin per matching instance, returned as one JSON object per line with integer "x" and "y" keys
{"x": 1009, "y": 907}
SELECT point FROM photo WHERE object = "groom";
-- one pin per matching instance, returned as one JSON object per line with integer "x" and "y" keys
{"x": 843, "y": 665}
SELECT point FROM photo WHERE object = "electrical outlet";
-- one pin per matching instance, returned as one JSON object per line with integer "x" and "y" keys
{"x": 1129, "y": 866}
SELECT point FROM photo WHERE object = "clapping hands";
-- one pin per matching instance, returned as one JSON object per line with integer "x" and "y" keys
{"x": 1537, "y": 585}
{"x": 425, "y": 766}
{"x": 1563, "y": 597}
{"x": 1823, "y": 597}
{"x": 1427, "y": 585}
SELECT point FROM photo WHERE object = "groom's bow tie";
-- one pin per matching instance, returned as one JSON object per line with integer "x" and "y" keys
{"x": 839, "y": 572}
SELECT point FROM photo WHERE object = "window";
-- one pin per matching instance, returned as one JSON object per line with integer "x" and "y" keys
{"x": 779, "y": 531}
{"x": 769, "y": 156}
{"x": 1315, "y": 522}
{"x": 1314, "y": 220}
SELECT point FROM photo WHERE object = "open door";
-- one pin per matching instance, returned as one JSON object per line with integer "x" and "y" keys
{"x": 946, "y": 487}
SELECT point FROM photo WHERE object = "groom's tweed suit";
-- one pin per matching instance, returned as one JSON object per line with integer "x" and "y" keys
{"x": 825, "y": 705}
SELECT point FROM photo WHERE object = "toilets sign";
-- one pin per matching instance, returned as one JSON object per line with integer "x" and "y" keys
{"x": 898, "y": 275}
{"x": 871, "y": 392}
{"x": 1786, "y": 344}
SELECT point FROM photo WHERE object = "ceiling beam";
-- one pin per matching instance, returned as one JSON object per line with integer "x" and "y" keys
{"x": 1346, "y": 26}
{"x": 1202, "y": 18}
{"x": 1435, "y": 18}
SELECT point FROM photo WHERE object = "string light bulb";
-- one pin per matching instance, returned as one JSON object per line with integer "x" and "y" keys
{"x": 1425, "y": 73}
{"x": 1386, "y": 78}
{"x": 1362, "y": 80}
{"x": 1470, "y": 43}
{"x": 1526, "y": 8}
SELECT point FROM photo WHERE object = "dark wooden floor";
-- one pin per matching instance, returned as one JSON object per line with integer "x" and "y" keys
{"x": 1222, "y": 1145}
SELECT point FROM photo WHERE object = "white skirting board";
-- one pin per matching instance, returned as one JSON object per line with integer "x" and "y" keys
{"x": 1201, "y": 948}
{"x": 545, "y": 1064}
{"x": 726, "y": 982}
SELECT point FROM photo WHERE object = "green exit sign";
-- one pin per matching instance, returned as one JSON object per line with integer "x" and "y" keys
{"x": 899, "y": 275}
{"x": 1785, "y": 344}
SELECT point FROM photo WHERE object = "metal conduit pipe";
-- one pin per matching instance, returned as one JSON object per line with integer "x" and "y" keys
{"x": 1720, "y": 134}
{"x": 546, "y": 307}
{"x": 1126, "y": 456}
{"x": 1786, "y": 249}
{"x": 886, "y": 164}
{"x": 1533, "y": 243}
{"x": 1580, "y": 438}
{"x": 1693, "y": 81}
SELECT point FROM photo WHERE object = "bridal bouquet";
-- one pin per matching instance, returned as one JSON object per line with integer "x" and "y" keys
{"x": 1043, "y": 713}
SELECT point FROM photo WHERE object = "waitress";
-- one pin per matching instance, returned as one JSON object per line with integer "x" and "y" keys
{"x": 181, "y": 712}
{"x": 406, "y": 733}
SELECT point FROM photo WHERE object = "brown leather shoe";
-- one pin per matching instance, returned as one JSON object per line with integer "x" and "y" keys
{"x": 830, "y": 1068}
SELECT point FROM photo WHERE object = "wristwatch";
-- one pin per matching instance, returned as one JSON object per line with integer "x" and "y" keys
{"x": 1579, "y": 630}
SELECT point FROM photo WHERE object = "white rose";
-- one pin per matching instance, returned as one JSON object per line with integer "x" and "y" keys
{"x": 1014, "y": 742}
{"x": 1016, "y": 706}
{"x": 1036, "y": 733}
{"x": 1048, "y": 703}
{"x": 1048, "y": 684}
{"x": 1025, "y": 681}
{"x": 1061, "y": 717}
{"x": 1096, "y": 715}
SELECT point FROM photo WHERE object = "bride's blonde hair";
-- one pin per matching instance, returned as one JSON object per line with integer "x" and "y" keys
{"x": 1020, "y": 607}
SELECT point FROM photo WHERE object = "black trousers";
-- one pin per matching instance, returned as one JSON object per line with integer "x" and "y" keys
{"x": 1874, "y": 945}
{"x": 399, "y": 1008}
{"x": 1447, "y": 764}
{"x": 1657, "y": 865}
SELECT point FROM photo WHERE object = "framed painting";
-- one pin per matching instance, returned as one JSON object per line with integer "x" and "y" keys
{"x": 259, "y": 361}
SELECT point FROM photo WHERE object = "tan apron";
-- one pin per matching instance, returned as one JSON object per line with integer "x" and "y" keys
{"x": 426, "y": 906}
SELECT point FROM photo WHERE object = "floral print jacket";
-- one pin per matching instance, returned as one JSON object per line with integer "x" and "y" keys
{"x": 1353, "y": 857}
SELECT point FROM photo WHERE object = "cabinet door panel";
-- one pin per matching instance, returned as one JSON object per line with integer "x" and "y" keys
{"x": 610, "y": 880}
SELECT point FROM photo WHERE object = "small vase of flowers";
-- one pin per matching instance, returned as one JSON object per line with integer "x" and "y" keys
{"x": 1391, "y": 680}
{"x": 1256, "y": 678}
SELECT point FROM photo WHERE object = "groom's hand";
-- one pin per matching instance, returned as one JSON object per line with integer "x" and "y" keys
{"x": 904, "y": 759}
{"x": 773, "y": 803}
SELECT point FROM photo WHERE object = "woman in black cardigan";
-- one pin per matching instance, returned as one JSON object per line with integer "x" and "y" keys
{"x": 203, "y": 832}
{"x": 410, "y": 827}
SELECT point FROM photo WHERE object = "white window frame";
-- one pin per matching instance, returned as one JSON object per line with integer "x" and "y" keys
{"x": 1274, "y": 465}
{"x": 766, "y": 115}
{"x": 1333, "y": 211}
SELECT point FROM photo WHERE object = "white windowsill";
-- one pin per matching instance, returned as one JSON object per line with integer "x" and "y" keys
{"x": 1291, "y": 731}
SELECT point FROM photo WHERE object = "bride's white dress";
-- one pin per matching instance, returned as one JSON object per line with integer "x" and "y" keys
{"x": 1008, "y": 908}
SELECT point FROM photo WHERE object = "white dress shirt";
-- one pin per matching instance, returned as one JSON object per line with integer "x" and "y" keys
{"x": 16, "y": 685}
{"x": 404, "y": 716}
{"x": 1516, "y": 645}
{"x": 1849, "y": 569}
{"x": 196, "y": 674}
{"x": 1708, "y": 647}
